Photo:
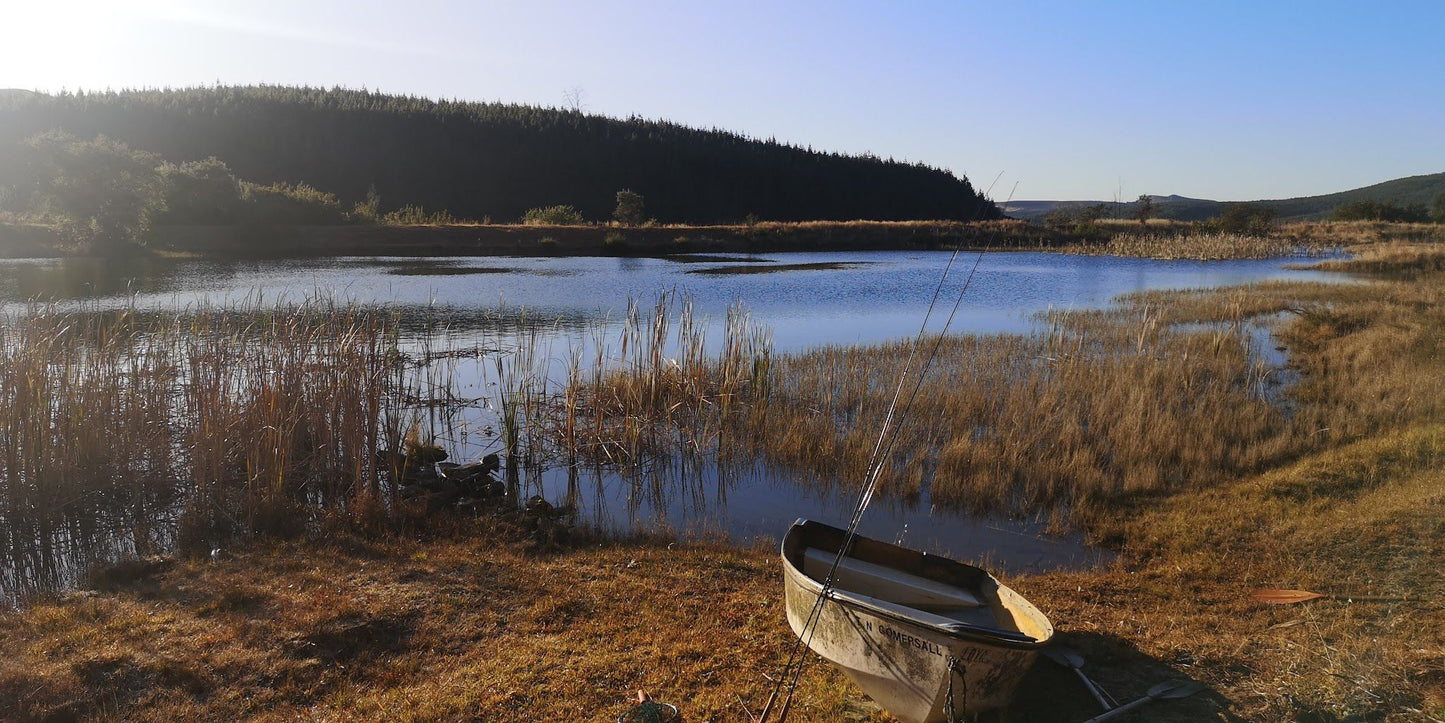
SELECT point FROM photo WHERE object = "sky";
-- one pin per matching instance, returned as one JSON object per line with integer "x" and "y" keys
{"x": 1033, "y": 100}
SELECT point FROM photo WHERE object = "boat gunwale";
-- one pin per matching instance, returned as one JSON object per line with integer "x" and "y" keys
{"x": 1016, "y": 640}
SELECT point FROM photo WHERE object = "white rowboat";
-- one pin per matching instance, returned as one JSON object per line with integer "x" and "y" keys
{"x": 913, "y": 630}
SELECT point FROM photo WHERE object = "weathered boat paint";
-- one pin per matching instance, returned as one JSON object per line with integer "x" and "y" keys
{"x": 906, "y": 658}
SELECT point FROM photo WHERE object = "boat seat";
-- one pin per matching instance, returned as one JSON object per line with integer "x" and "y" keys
{"x": 885, "y": 583}
{"x": 978, "y": 619}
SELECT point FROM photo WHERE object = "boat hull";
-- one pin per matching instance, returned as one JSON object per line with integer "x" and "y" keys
{"x": 906, "y": 661}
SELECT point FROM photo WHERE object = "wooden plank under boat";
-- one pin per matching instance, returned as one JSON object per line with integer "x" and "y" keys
{"x": 896, "y": 620}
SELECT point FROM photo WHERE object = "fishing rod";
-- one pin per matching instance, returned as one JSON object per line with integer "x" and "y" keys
{"x": 878, "y": 457}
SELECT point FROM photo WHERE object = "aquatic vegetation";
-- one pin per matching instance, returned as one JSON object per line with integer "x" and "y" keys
{"x": 133, "y": 431}
{"x": 1187, "y": 244}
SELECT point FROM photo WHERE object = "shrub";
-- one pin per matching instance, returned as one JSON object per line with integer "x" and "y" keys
{"x": 615, "y": 243}
{"x": 630, "y": 210}
{"x": 101, "y": 194}
{"x": 200, "y": 192}
{"x": 554, "y": 216}
{"x": 286, "y": 204}
{"x": 1381, "y": 211}
{"x": 1246, "y": 218}
{"x": 417, "y": 216}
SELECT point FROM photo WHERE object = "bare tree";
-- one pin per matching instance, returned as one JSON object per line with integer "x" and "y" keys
{"x": 574, "y": 99}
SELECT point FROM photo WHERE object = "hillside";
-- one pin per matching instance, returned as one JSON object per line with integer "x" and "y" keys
{"x": 1402, "y": 191}
{"x": 492, "y": 160}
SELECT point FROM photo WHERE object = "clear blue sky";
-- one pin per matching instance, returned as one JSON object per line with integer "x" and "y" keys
{"x": 1067, "y": 100}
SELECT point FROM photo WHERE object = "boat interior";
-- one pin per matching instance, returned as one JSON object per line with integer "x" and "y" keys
{"x": 928, "y": 589}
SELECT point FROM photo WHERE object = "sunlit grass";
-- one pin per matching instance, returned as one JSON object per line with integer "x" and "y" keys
{"x": 1330, "y": 482}
{"x": 1194, "y": 246}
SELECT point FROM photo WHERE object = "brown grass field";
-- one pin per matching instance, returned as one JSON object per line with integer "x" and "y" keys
{"x": 1159, "y": 440}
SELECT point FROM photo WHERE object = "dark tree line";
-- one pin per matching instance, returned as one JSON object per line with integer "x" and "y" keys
{"x": 1371, "y": 210}
{"x": 491, "y": 160}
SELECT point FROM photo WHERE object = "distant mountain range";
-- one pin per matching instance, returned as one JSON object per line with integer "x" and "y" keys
{"x": 1402, "y": 191}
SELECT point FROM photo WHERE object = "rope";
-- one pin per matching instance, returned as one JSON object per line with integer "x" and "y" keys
{"x": 954, "y": 666}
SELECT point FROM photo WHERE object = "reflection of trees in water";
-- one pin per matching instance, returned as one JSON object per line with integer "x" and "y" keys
{"x": 46, "y": 550}
{"x": 87, "y": 278}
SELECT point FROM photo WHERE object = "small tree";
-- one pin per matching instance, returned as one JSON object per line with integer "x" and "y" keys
{"x": 1247, "y": 218}
{"x": 1144, "y": 208}
{"x": 1437, "y": 212}
{"x": 101, "y": 193}
{"x": 369, "y": 208}
{"x": 629, "y": 210}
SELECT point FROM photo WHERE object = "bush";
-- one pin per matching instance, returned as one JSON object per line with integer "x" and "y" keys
{"x": 200, "y": 192}
{"x": 283, "y": 204}
{"x": 615, "y": 243}
{"x": 101, "y": 194}
{"x": 417, "y": 216}
{"x": 1245, "y": 218}
{"x": 1378, "y": 211}
{"x": 554, "y": 216}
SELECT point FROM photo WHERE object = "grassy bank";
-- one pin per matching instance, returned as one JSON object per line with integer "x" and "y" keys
{"x": 591, "y": 240}
{"x": 1152, "y": 425}
{"x": 1156, "y": 239}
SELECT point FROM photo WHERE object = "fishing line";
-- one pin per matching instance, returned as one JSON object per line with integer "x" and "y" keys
{"x": 881, "y": 449}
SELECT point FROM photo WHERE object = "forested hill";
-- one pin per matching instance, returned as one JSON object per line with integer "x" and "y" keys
{"x": 494, "y": 160}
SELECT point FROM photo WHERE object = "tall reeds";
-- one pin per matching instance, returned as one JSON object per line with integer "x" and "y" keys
{"x": 127, "y": 430}
{"x": 663, "y": 393}
{"x": 1188, "y": 245}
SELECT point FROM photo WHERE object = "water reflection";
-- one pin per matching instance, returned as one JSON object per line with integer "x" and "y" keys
{"x": 463, "y": 322}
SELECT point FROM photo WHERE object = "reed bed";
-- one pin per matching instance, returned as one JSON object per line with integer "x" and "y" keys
{"x": 662, "y": 394}
{"x": 127, "y": 432}
{"x": 1392, "y": 259}
{"x": 1186, "y": 245}
{"x": 1056, "y": 421}
{"x": 1162, "y": 391}
{"x": 1363, "y": 232}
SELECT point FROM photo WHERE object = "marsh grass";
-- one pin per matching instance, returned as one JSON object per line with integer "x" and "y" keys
{"x": 146, "y": 429}
{"x": 1199, "y": 246}
{"x": 1163, "y": 391}
{"x": 1363, "y": 233}
{"x": 473, "y": 626}
{"x": 1057, "y": 421}
{"x": 663, "y": 394}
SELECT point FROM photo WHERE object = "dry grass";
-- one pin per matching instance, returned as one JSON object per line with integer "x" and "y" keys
{"x": 1354, "y": 233}
{"x": 131, "y": 432}
{"x": 1340, "y": 494}
{"x": 467, "y": 628}
{"x": 1193, "y": 246}
{"x": 1093, "y": 407}
{"x": 662, "y": 394}
{"x": 1392, "y": 259}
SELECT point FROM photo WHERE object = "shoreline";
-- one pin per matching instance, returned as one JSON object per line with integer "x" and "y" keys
{"x": 537, "y": 240}
{"x": 465, "y": 622}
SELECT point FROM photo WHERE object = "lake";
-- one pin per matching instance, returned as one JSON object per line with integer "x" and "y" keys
{"x": 805, "y": 299}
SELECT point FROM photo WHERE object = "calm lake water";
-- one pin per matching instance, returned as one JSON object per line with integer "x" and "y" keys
{"x": 806, "y": 299}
